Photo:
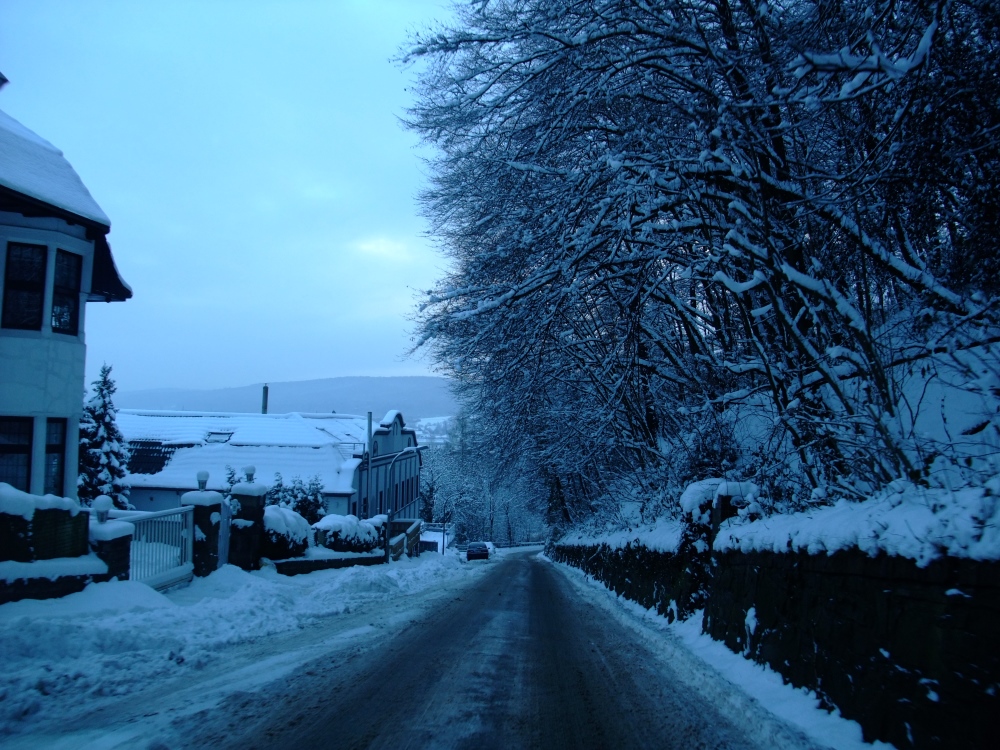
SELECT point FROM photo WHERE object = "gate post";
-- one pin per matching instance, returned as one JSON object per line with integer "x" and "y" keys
{"x": 112, "y": 542}
{"x": 247, "y": 526}
{"x": 208, "y": 529}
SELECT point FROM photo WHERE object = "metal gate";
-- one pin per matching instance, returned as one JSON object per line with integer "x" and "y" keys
{"x": 161, "y": 554}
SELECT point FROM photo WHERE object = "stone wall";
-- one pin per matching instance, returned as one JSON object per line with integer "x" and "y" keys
{"x": 910, "y": 653}
{"x": 116, "y": 554}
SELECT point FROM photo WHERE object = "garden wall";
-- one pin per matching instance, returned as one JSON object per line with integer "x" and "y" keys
{"x": 912, "y": 654}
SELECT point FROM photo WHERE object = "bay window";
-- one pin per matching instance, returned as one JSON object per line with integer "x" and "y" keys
{"x": 66, "y": 293}
{"x": 24, "y": 286}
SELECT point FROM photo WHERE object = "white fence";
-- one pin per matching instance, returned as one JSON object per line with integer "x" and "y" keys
{"x": 162, "y": 545}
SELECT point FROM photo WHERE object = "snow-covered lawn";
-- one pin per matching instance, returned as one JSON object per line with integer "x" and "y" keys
{"x": 120, "y": 647}
{"x": 713, "y": 670}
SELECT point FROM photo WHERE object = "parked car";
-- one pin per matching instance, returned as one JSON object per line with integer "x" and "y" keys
{"x": 492, "y": 548}
{"x": 477, "y": 551}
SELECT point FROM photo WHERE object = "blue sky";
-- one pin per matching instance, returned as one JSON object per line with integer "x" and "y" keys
{"x": 260, "y": 186}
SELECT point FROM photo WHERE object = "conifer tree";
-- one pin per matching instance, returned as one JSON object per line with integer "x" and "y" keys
{"x": 278, "y": 494}
{"x": 103, "y": 452}
{"x": 306, "y": 499}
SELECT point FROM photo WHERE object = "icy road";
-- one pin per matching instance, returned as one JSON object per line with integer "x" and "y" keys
{"x": 512, "y": 652}
{"x": 517, "y": 660}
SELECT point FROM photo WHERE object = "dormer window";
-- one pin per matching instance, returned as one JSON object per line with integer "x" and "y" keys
{"x": 66, "y": 294}
{"x": 218, "y": 437}
{"x": 24, "y": 286}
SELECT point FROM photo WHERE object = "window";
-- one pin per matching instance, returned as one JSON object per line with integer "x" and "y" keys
{"x": 66, "y": 294}
{"x": 55, "y": 456}
{"x": 24, "y": 286}
{"x": 15, "y": 451}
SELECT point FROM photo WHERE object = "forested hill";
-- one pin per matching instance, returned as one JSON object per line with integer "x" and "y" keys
{"x": 416, "y": 397}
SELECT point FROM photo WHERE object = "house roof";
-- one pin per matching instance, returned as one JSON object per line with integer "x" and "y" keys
{"x": 32, "y": 166}
{"x": 36, "y": 179}
{"x": 170, "y": 447}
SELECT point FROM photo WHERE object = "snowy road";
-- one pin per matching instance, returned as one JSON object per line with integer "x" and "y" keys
{"x": 517, "y": 660}
{"x": 510, "y": 652}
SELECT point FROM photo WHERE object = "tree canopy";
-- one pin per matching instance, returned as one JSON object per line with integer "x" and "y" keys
{"x": 701, "y": 237}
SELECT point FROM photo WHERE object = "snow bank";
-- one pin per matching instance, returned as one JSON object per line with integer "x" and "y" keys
{"x": 287, "y": 523}
{"x": 906, "y": 520}
{"x": 58, "y": 567}
{"x": 766, "y": 705}
{"x": 14, "y": 502}
{"x": 66, "y": 656}
{"x": 662, "y": 536}
{"x": 322, "y": 553}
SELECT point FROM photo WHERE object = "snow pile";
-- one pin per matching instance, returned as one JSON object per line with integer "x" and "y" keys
{"x": 662, "y": 536}
{"x": 14, "y": 502}
{"x": 67, "y": 656}
{"x": 348, "y": 534}
{"x": 905, "y": 520}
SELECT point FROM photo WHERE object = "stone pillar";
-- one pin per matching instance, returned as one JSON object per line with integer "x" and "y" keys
{"x": 207, "y": 519}
{"x": 36, "y": 482}
{"x": 112, "y": 542}
{"x": 247, "y": 530}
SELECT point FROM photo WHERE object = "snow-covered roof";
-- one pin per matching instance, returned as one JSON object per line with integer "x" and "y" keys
{"x": 183, "y": 443}
{"x": 33, "y": 167}
{"x": 390, "y": 417}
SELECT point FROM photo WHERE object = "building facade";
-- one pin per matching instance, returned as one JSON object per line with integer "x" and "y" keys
{"x": 360, "y": 475}
{"x": 54, "y": 257}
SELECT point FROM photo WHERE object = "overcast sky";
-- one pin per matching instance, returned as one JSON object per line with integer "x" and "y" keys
{"x": 260, "y": 186}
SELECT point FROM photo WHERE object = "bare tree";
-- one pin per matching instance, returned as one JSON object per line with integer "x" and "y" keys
{"x": 692, "y": 234}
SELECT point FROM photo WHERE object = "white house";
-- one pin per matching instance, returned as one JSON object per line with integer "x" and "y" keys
{"x": 169, "y": 448}
{"x": 54, "y": 257}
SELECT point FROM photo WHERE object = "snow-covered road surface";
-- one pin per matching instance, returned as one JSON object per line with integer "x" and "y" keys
{"x": 518, "y": 660}
{"x": 115, "y": 665}
{"x": 511, "y": 652}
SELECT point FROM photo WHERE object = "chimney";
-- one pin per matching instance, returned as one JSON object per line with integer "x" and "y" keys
{"x": 263, "y": 401}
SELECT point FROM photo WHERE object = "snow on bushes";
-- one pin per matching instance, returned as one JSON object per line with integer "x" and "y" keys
{"x": 349, "y": 534}
{"x": 286, "y": 533}
{"x": 905, "y": 520}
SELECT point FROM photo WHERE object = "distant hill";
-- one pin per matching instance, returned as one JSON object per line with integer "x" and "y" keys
{"x": 416, "y": 397}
